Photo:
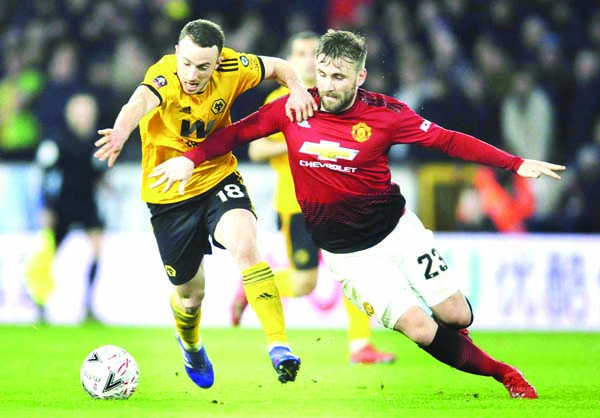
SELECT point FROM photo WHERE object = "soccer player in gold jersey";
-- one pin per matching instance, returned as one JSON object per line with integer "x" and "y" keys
{"x": 301, "y": 278}
{"x": 184, "y": 97}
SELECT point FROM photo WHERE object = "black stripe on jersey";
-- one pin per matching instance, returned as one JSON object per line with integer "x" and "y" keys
{"x": 378, "y": 100}
{"x": 230, "y": 64}
{"x": 153, "y": 90}
{"x": 227, "y": 67}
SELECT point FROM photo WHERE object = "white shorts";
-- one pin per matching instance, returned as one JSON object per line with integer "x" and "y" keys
{"x": 403, "y": 270}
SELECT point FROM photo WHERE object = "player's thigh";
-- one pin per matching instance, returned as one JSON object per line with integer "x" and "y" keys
{"x": 303, "y": 254}
{"x": 181, "y": 236}
{"x": 374, "y": 282}
{"x": 425, "y": 268}
{"x": 230, "y": 214}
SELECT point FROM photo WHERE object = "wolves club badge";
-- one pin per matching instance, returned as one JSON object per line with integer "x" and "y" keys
{"x": 159, "y": 82}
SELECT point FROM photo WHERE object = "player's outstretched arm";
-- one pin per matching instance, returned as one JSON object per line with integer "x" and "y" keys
{"x": 535, "y": 169}
{"x": 263, "y": 122}
{"x": 110, "y": 145}
{"x": 300, "y": 103}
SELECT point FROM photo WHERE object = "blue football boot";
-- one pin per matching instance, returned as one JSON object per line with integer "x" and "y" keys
{"x": 198, "y": 366}
{"x": 286, "y": 364}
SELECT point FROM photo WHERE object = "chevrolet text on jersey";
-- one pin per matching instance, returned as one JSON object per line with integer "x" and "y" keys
{"x": 336, "y": 167}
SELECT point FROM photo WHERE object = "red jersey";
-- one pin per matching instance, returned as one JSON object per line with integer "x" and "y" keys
{"x": 339, "y": 163}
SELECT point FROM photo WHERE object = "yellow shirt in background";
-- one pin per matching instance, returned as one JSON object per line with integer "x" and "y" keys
{"x": 284, "y": 197}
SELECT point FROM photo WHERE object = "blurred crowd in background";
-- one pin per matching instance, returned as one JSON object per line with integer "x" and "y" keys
{"x": 524, "y": 76}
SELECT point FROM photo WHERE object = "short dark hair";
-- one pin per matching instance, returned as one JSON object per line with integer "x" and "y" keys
{"x": 341, "y": 44}
{"x": 204, "y": 33}
{"x": 287, "y": 51}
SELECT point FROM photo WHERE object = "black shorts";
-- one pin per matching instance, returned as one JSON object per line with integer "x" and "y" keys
{"x": 74, "y": 214}
{"x": 302, "y": 252}
{"x": 182, "y": 229}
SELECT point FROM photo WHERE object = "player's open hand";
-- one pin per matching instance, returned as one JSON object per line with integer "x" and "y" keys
{"x": 110, "y": 145}
{"x": 535, "y": 169}
{"x": 175, "y": 169}
{"x": 300, "y": 104}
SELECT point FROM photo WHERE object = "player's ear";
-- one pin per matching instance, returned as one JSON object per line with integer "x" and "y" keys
{"x": 219, "y": 61}
{"x": 362, "y": 76}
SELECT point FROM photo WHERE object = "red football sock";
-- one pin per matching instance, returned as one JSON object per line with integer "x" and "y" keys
{"x": 456, "y": 350}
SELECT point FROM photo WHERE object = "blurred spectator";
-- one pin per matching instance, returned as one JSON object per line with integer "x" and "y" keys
{"x": 527, "y": 124}
{"x": 579, "y": 209}
{"x": 567, "y": 25}
{"x": 71, "y": 176}
{"x": 527, "y": 119}
{"x": 62, "y": 81}
{"x": 582, "y": 208}
{"x": 441, "y": 105}
{"x": 413, "y": 85}
{"x": 447, "y": 58}
{"x": 398, "y": 25}
{"x": 462, "y": 21}
{"x": 102, "y": 27}
{"x": 482, "y": 121}
{"x": 532, "y": 33}
{"x": 584, "y": 102}
{"x": 501, "y": 24}
{"x": 19, "y": 127}
{"x": 593, "y": 29}
{"x": 555, "y": 78}
{"x": 128, "y": 65}
{"x": 493, "y": 63}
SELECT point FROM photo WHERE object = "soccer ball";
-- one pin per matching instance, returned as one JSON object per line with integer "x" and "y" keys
{"x": 109, "y": 372}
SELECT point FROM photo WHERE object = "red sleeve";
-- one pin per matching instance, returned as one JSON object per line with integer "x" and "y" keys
{"x": 413, "y": 128}
{"x": 266, "y": 121}
{"x": 467, "y": 147}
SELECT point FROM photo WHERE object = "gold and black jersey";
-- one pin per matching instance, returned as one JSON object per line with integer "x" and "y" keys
{"x": 182, "y": 120}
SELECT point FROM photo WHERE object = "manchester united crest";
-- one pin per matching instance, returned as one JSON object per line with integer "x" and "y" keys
{"x": 361, "y": 132}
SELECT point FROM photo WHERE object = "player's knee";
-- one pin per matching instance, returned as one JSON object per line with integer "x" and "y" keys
{"x": 192, "y": 303}
{"x": 244, "y": 250}
{"x": 417, "y": 325}
{"x": 461, "y": 318}
{"x": 457, "y": 319}
{"x": 454, "y": 312}
{"x": 191, "y": 296}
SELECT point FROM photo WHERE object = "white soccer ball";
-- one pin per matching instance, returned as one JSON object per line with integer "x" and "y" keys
{"x": 109, "y": 372}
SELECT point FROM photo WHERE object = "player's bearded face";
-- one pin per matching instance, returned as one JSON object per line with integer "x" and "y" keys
{"x": 195, "y": 65}
{"x": 337, "y": 82}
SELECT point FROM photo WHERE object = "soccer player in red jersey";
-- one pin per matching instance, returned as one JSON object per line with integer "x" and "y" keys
{"x": 300, "y": 279}
{"x": 378, "y": 249}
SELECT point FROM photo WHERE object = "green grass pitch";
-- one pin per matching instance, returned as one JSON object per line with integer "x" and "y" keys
{"x": 39, "y": 373}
